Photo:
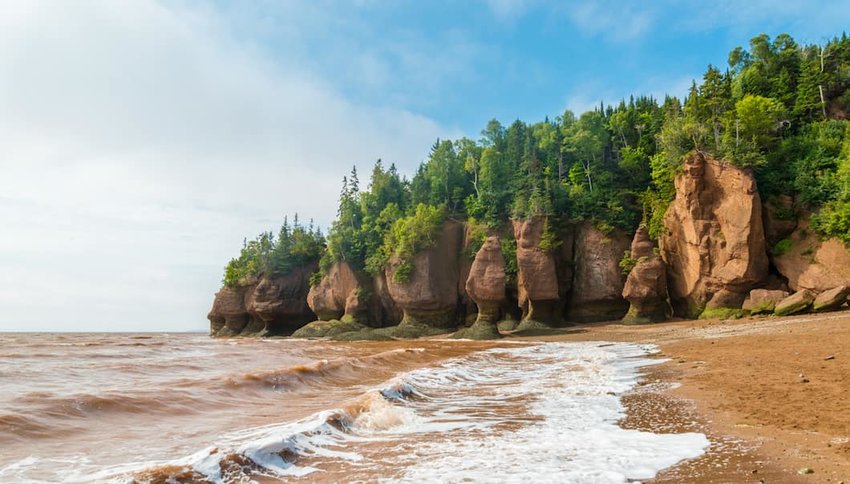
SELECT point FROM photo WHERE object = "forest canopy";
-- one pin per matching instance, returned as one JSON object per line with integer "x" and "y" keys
{"x": 778, "y": 108}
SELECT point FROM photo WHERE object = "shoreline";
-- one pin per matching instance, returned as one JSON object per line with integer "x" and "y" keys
{"x": 769, "y": 393}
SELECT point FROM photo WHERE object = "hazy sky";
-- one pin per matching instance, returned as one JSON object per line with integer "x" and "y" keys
{"x": 140, "y": 141}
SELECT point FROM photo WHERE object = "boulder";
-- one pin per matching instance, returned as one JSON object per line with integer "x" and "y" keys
{"x": 429, "y": 297}
{"x": 809, "y": 263}
{"x": 598, "y": 282}
{"x": 831, "y": 299}
{"x": 485, "y": 286}
{"x": 713, "y": 243}
{"x": 795, "y": 303}
{"x": 763, "y": 300}
{"x": 646, "y": 284}
{"x": 537, "y": 277}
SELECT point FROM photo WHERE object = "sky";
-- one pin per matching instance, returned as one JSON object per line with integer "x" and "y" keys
{"x": 142, "y": 140}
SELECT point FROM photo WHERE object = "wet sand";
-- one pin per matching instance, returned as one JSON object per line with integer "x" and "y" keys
{"x": 771, "y": 393}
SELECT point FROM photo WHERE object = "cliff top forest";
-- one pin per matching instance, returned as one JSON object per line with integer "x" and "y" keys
{"x": 778, "y": 108}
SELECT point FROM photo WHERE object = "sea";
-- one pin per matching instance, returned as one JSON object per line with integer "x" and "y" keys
{"x": 180, "y": 407}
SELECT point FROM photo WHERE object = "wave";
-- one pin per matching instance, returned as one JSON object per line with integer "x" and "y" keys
{"x": 319, "y": 372}
{"x": 192, "y": 395}
{"x": 276, "y": 450}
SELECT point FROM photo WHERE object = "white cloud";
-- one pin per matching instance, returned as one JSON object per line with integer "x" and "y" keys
{"x": 613, "y": 20}
{"x": 139, "y": 143}
{"x": 508, "y": 10}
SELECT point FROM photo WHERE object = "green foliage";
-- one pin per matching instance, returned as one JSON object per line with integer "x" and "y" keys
{"x": 476, "y": 233}
{"x": 508, "y": 246}
{"x": 627, "y": 263}
{"x": 782, "y": 247}
{"x": 410, "y": 235}
{"x": 295, "y": 246}
{"x": 722, "y": 313}
{"x": 549, "y": 240}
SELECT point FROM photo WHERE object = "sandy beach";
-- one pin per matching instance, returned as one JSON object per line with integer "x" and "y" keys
{"x": 771, "y": 394}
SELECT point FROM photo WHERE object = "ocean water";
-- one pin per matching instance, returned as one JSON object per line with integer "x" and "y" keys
{"x": 187, "y": 408}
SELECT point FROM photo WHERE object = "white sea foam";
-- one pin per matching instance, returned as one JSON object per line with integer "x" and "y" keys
{"x": 534, "y": 413}
{"x": 574, "y": 389}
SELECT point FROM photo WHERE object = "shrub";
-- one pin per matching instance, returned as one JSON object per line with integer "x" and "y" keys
{"x": 782, "y": 247}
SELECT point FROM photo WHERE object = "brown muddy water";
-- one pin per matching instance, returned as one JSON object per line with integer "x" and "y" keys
{"x": 187, "y": 408}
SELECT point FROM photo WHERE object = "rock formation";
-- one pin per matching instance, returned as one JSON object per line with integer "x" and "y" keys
{"x": 809, "y": 263}
{"x": 337, "y": 294}
{"x": 270, "y": 306}
{"x": 597, "y": 292}
{"x": 713, "y": 262}
{"x": 486, "y": 288}
{"x": 713, "y": 244}
{"x": 537, "y": 278}
{"x": 428, "y": 298}
{"x": 646, "y": 284}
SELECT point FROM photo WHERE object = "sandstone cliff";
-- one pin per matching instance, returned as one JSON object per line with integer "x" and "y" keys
{"x": 271, "y": 306}
{"x": 646, "y": 284}
{"x": 713, "y": 244}
{"x": 537, "y": 277}
{"x": 712, "y": 256}
{"x": 809, "y": 263}
{"x": 429, "y": 297}
{"x": 597, "y": 292}
{"x": 485, "y": 286}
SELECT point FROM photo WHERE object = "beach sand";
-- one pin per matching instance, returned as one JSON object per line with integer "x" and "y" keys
{"x": 771, "y": 393}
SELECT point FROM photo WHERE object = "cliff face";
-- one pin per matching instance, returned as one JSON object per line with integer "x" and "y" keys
{"x": 713, "y": 244}
{"x": 597, "y": 293}
{"x": 537, "y": 275}
{"x": 646, "y": 284}
{"x": 712, "y": 255}
{"x": 337, "y": 295}
{"x": 809, "y": 263}
{"x": 271, "y": 306}
{"x": 429, "y": 296}
{"x": 486, "y": 286}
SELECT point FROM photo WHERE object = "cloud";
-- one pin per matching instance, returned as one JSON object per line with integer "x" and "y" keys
{"x": 613, "y": 20}
{"x": 508, "y": 10}
{"x": 141, "y": 142}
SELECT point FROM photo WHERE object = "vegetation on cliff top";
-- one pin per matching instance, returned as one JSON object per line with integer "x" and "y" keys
{"x": 294, "y": 246}
{"x": 779, "y": 108}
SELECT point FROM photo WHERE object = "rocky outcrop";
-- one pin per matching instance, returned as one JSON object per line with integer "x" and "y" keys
{"x": 338, "y": 294}
{"x": 228, "y": 316}
{"x": 763, "y": 301}
{"x": 428, "y": 297}
{"x": 597, "y": 292}
{"x": 537, "y": 274}
{"x": 646, "y": 284}
{"x": 713, "y": 243}
{"x": 385, "y": 310}
{"x": 809, "y": 263}
{"x": 271, "y": 306}
{"x": 281, "y": 302}
{"x": 795, "y": 303}
{"x": 486, "y": 288}
{"x": 831, "y": 299}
